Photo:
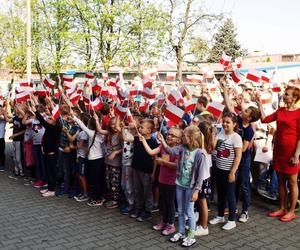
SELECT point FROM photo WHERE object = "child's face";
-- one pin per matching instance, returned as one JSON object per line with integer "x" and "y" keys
{"x": 227, "y": 124}
{"x": 144, "y": 129}
{"x": 174, "y": 137}
{"x": 113, "y": 126}
{"x": 246, "y": 114}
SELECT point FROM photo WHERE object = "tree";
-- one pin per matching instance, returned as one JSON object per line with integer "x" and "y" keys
{"x": 225, "y": 41}
{"x": 198, "y": 48}
{"x": 184, "y": 17}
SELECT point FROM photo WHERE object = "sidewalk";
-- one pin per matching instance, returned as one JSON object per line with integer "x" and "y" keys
{"x": 29, "y": 221}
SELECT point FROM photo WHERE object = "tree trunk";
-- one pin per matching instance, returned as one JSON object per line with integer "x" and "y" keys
{"x": 179, "y": 64}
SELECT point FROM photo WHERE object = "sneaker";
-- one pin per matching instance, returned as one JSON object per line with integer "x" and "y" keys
{"x": 144, "y": 216}
{"x": 134, "y": 214}
{"x": 44, "y": 184}
{"x": 200, "y": 231}
{"x": 111, "y": 204}
{"x": 49, "y": 194}
{"x": 76, "y": 197}
{"x": 177, "y": 237}
{"x": 94, "y": 203}
{"x": 170, "y": 229}
{"x": 229, "y": 225}
{"x": 37, "y": 184}
{"x": 155, "y": 209}
{"x": 13, "y": 176}
{"x": 61, "y": 193}
{"x": 71, "y": 195}
{"x": 244, "y": 217}
{"x": 2, "y": 168}
{"x": 188, "y": 242}
{"x": 160, "y": 226}
{"x": 43, "y": 191}
{"x": 124, "y": 210}
{"x": 83, "y": 198}
{"x": 217, "y": 220}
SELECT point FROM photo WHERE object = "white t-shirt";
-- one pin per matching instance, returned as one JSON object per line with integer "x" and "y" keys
{"x": 82, "y": 152}
{"x": 225, "y": 150}
{"x": 2, "y": 127}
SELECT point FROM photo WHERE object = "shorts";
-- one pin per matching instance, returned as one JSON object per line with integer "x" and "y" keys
{"x": 81, "y": 166}
{"x": 205, "y": 191}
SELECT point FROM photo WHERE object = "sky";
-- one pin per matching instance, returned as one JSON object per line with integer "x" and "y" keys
{"x": 271, "y": 26}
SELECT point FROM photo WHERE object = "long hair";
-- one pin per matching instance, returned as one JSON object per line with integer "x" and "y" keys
{"x": 207, "y": 131}
{"x": 195, "y": 137}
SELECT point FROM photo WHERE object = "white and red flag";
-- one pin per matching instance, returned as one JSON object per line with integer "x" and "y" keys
{"x": 148, "y": 93}
{"x": 225, "y": 60}
{"x": 133, "y": 91}
{"x": 183, "y": 91}
{"x": 265, "y": 98}
{"x": 150, "y": 73}
{"x": 68, "y": 78}
{"x": 190, "y": 105}
{"x": 41, "y": 91}
{"x": 254, "y": 75}
{"x": 238, "y": 63}
{"x": 96, "y": 104}
{"x": 129, "y": 116}
{"x": 49, "y": 82}
{"x": 120, "y": 111}
{"x": 56, "y": 93}
{"x": 171, "y": 76}
{"x": 55, "y": 112}
{"x": 89, "y": 75}
{"x": 173, "y": 113}
{"x": 265, "y": 76}
{"x": 276, "y": 87}
{"x": 86, "y": 98}
{"x": 216, "y": 108}
{"x": 97, "y": 86}
{"x": 175, "y": 97}
{"x": 143, "y": 106}
{"x": 74, "y": 98}
{"x": 147, "y": 83}
{"x": 26, "y": 84}
{"x": 22, "y": 96}
{"x": 236, "y": 76}
{"x": 105, "y": 76}
{"x": 123, "y": 92}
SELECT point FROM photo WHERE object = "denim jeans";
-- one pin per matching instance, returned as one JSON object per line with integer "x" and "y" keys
{"x": 226, "y": 192}
{"x": 243, "y": 183}
{"x": 17, "y": 156}
{"x": 266, "y": 173}
{"x": 185, "y": 207}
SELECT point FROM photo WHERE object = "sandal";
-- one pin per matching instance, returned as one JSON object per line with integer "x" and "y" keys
{"x": 177, "y": 237}
{"x": 288, "y": 219}
{"x": 188, "y": 242}
{"x": 277, "y": 213}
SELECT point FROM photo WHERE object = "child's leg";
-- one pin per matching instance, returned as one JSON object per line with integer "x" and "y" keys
{"x": 138, "y": 192}
{"x": 244, "y": 173}
{"x": 180, "y": 195}
{"x": 203, "y": 213}
{"x": 230, "y": 193}
{"x": 129, "y": 187}
{"x": 221, "y": 190}
{"x": 17, "y": 157}
{"x": 115, "y": 182}
{"x": 148, "y": 195}
{"x": 170, "y": 203}
{"x": 189, "y": 209}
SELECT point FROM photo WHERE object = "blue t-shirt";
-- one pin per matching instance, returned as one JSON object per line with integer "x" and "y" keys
{"x": 185, "y": 177}
{"x": 246, "y": 133}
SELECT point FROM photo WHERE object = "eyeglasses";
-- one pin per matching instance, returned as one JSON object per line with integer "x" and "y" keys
{"x": 172, "y": 135}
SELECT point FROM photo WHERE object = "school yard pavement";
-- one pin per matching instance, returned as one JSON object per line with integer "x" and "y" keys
{"x": 29, "y": 221}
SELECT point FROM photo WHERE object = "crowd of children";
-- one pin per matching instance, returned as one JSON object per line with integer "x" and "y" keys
{"x": 101, "y": 158}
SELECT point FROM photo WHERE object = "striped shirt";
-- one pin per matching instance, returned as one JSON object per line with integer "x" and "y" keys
{"x": 225, "y": 149}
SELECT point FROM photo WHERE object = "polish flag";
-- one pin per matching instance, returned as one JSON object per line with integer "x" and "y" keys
{"x": 183, "y": 91}
{"x": 112, "y": 83}
{"x": 120, "y": 80}
{"x": 120, "y": 111}
{"x": 189, "y": 78}
{"x": 148, "y": 93}
{"x": 238, "y": 63}
{"x": 197, "y": 78}
{"x": 97, "y": 85}
{"x": 143, "y": 106}
{"x": 105, "y": 76}
{"x": 123, "y": 92}
{"x": 225, "y": 60}
{"x": 23, "y": 96}
{"x": 55, "y": 112}
{"x": 161, "y": 99}
{"x": 236, "y": 76}
{"x": 41, "y": 91}
{"x": 171, "y": 76}
{"x": 173, "y": 113}
{"x": 89, "y": 75}
{"x": 265, "y": 77}
{"x": 112, "y": 92}
{"x": 216, "y": 108}
{"x": 175, "y": 97}
{"x": 265, "y": 98}
{"x": 26, "y": 84}
{"x": 86, "y": 98}
{"x": 150, "y": 73}
{"x": 69, "y": 85}
{"x": 70, "y": 91}
{"x": 56, "y": 93}
{"x": 96, "y": 104}
{"x": 105, "y": 92}
{"x": 74, "y": 98}
{"x": 49, "y": 82}
{"x": 147, "y": 83}
{"x": 276, "y": 87}
{"x": 190, "y": 105}
{"x": 68, "y": 78}
{"x": 254, "y": 75}
{"x": 129, "y": 116}
{"x": 133, "y": 91}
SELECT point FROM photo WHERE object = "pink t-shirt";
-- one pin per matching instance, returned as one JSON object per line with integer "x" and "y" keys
{"x": 166, "y": 174}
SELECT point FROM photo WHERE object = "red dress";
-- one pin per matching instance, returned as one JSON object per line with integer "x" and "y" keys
{"x": 286, "y": 138}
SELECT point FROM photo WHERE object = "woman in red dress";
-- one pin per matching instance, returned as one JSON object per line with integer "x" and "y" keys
{"x": 286, "y": 151}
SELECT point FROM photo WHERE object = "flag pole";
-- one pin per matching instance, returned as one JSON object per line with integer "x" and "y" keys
{"x": 28, "y": 6}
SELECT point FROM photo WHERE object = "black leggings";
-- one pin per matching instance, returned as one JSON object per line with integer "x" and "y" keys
{"x": 2, "y": 152}
{"x": 96, "y": 178}
{"x": 167, "y": 202}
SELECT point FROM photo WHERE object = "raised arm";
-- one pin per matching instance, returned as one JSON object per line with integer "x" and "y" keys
{"x": 83, "y": 127}
{"x": 227, "y": 101}
{"x": 150, "y": 151}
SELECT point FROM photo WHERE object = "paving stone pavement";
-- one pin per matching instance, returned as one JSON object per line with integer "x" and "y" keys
{"x": 29, "y": 221}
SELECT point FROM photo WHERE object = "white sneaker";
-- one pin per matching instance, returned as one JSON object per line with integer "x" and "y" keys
{"x": 42, "y": 191}
{"x": 229, "y": 225}
{"x": 200, "y": 231}
{"x": 217, "y": 220}
{"x": 49, "y": 194}
{"x": 244, "y": 217}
